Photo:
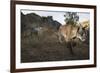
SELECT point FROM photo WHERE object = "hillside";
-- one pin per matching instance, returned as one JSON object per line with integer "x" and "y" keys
{"x": 33, "y": 20}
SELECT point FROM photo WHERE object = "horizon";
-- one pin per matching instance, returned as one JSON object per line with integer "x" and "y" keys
{"x": 58, "y": 15}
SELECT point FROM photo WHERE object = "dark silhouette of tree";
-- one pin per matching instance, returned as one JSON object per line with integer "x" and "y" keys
{"x": 71, "y": 18}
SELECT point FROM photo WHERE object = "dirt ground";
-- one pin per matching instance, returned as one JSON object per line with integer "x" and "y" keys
{"x": 42, "y": 49}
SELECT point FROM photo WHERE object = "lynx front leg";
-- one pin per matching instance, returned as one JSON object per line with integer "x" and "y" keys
{"x": 60, "y": 39}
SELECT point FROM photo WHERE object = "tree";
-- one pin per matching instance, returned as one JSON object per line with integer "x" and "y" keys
{"x": 71, "y": 18}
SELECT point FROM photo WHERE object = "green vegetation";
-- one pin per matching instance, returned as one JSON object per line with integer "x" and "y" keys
{"x": 71, "y": 18}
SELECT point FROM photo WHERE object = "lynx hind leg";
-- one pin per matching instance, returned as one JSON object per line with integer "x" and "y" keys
{"x": 70, "y": 47}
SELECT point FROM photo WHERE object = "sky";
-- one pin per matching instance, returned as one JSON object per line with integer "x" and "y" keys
{"x": 59, "y": 16}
